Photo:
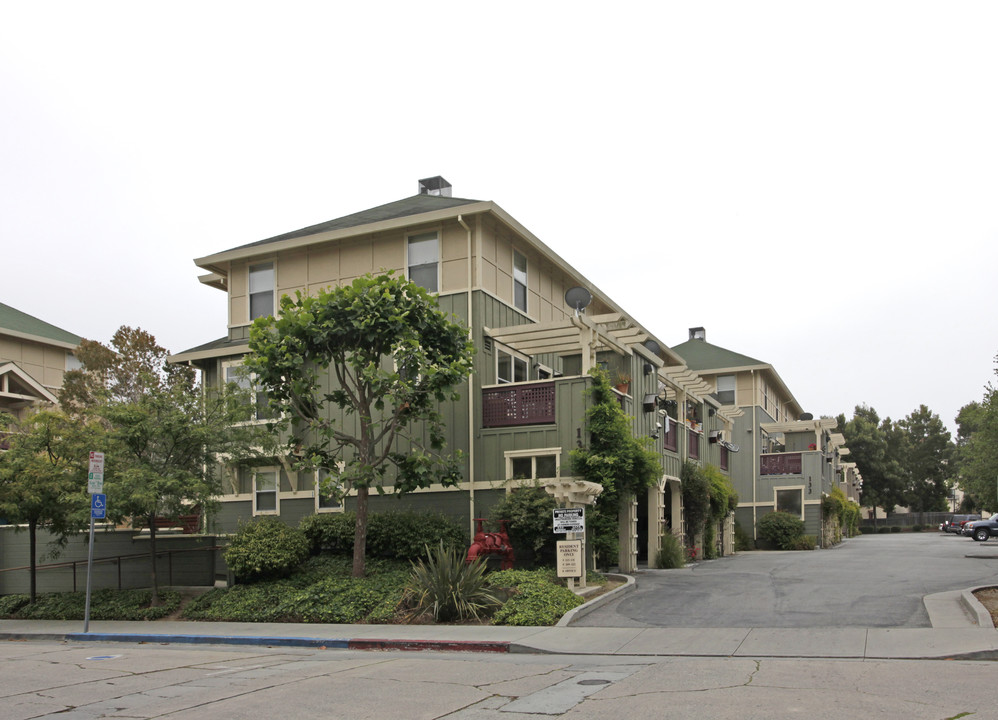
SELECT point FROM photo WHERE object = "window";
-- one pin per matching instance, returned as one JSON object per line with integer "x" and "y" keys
{"x": 790, "y": 500}
{"x": 726, "y": 389}
{"x": 511, "y": 366}
{"x": 533, "y": 464}
{"x": 424, "y": 260}
{"x": 520, "y": 281}
{"x": 265, "y": 486}
{"x": 236, "y": 374}
{"x": 261, "y": 290}
{"x": 328, "y": 492}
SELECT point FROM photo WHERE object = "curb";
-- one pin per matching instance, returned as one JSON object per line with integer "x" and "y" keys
{"x": 976, "y": 608}
{"x": 586, "y": 608}
{"x": 284, "y": 641}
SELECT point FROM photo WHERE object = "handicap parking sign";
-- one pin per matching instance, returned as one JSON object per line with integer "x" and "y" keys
{"x": 98, "y": 506}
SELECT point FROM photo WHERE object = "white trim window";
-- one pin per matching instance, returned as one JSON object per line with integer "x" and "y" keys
{"x": 533, "y": 464}
{"x": 266, "y": 491}
{"x": 520, "y": 281}
{"x": 261, "y": 290}
{"x": 789, "y": 500}
{"x": 726, "y": 389}
{"x": 511, "y": 366}
{"x": 234, "y": 372}
{"x": 423, "y": 260}
{"x": 328, "y": 492}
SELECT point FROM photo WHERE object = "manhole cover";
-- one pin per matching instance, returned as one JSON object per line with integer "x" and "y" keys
{"x": 594, "y": 682}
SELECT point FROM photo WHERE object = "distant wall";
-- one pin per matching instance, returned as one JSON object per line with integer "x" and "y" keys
{"x": 191, "y": 567}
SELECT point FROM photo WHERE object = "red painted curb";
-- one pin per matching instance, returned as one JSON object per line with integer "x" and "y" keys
{"x": 440, "y": 645}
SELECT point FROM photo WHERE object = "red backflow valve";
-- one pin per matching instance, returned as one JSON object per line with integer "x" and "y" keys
{"x": 491, "y": 543}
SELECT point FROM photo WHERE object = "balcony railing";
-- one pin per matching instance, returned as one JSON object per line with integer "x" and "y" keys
{"x": 781, "y": 464}
{"x": 518, "y": 404}
{"x": 672, "y": 436}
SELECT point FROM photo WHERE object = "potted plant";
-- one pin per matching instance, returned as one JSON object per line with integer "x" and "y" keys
{"x": 622, "y": 381}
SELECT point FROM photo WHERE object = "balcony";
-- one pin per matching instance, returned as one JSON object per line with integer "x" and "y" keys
{"x": 781, "y": 464}
{"x": 518, "y": 404}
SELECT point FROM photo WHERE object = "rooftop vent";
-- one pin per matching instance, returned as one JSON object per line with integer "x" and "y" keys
{"x": 698, "y": 333}
{"x": 435, "y": 186}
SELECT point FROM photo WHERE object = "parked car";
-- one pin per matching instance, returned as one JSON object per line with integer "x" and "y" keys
{"x": 956, "y": 523}
{"x": 981, "y": 530}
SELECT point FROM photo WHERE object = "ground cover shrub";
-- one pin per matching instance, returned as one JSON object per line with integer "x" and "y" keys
{"x": 671, "y": 555}
{"x": 916, "y": 528}
{"x": 531, "y": 600}
{"x": 883, "y": 530}
{"x": 895, "y": 528}
{"x": 265, "y": 548}
{"x": 106, "y": 604}
{"x": 448, "y": 588}
{"x": 10, "y": 604}
{"x": 781, "y": 528}
{"x": 329, "y": 532}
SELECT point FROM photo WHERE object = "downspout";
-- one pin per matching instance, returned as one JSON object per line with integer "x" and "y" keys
{"x": 755, "y": 458}
{"x": 471, "y": 397}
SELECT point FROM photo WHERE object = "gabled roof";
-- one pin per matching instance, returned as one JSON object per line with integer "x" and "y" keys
{"x": 216, "y": 348}
{"x": 701, "y": 355}
{"x": 415, "y": 205}
{"x": 19, "y": 389}
{"x": 20, "y": 324}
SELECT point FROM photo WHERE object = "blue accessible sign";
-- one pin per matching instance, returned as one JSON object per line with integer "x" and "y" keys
{"x": 98, "y": 506}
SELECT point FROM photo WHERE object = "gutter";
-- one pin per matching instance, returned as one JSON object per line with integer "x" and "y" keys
{"x": 471, "y": 393}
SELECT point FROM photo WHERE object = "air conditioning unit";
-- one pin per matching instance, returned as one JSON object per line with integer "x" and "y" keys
{"x": 716, "y": 436}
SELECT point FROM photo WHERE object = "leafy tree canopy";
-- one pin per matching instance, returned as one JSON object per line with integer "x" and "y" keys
{"x": 977, "y": 448}
{"x": 359, "y": 371}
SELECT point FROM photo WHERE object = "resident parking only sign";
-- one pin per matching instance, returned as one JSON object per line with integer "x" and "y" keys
{"x": 95, "y": 474}
{"x": 568, "y": 520}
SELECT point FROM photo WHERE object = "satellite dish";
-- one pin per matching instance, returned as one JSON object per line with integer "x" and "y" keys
{"x": 652, "y": 347}
{"x": 578, "y": 298}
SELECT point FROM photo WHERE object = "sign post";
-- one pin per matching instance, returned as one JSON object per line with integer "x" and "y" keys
{"x": 571, "y": 551}
{"x": 98, "y": 511}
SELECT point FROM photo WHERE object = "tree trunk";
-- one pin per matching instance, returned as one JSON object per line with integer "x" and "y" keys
{"x": 154, "y": 601}
{"x": 32, "y": 544}
{"x": 360, "y": 533}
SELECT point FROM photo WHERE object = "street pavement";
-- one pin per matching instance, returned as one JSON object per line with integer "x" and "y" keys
{"x": 956, "y": 625}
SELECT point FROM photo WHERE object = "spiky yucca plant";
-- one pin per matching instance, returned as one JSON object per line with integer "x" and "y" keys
{"x": 449, "y": 587}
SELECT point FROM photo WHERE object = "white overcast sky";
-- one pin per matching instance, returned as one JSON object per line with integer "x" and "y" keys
{"x": 815, "y": 183}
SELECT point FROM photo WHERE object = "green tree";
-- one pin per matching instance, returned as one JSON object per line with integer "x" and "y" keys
{"x": 614, "y": 458}
{"x": 977, "y": 448}
{"x": 925, "y": 454}
{"x": 359, "y": 371}
{"x": 164, "y": 436}
{"x": 43, "y": 478}
{"x": 867, "y": 441}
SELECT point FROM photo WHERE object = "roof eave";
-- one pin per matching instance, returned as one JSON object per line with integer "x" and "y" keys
{"x": 214, "y": 263}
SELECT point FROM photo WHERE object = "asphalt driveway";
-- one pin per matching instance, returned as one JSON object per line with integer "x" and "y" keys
{"x": 872, "y": 581}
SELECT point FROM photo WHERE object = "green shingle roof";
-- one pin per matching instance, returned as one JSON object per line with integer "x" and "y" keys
{"x": 416, "y": 205}
{"x": 20, "y": 322}
{"x": 701, "y": 355}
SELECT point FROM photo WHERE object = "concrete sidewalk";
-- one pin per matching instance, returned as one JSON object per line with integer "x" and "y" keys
{"x": 961, "y": 629}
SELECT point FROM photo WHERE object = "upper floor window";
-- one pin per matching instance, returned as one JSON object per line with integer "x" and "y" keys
{"x": 520, "y": 281}
{"x": 261, "y": 290}
{"x": 511, "y": 367}
{"x": 424, "y": 260}
{"x": 726, "y": 389}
